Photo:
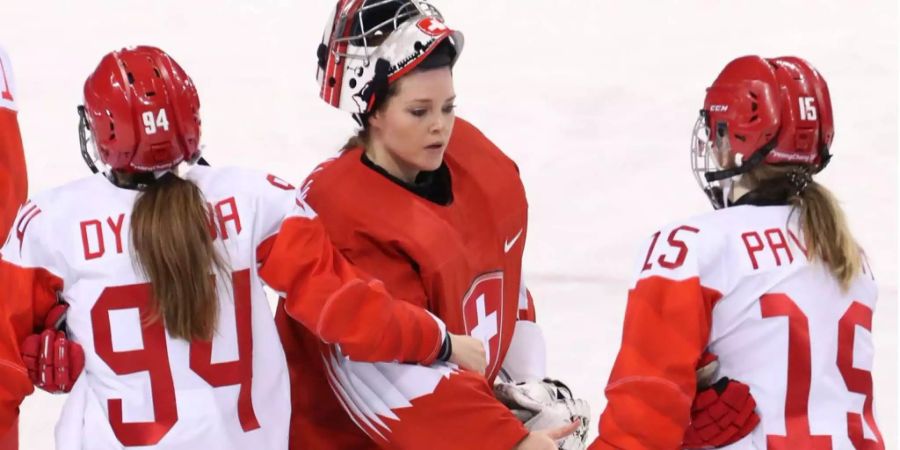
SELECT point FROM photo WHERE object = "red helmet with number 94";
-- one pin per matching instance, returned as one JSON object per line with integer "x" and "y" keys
{"x": 761, "y": 110}
{"x": 141, "y": 112}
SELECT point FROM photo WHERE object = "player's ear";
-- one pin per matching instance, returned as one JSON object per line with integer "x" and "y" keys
{"x": 376, "y": 119}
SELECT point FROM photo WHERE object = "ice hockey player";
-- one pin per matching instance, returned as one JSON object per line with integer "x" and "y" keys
{"x": 772, "y": 282}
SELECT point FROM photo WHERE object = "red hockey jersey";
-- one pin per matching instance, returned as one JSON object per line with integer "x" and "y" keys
{"x": 462, "y": 261}
{"x": 13, "y": 178}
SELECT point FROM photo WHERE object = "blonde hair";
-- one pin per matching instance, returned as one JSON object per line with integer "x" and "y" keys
{"x": 826, "y": 234}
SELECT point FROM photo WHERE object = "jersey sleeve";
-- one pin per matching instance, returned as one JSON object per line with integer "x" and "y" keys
{"x": 30, "y": 274}
{"x": 324, "y": 293}
{"x": 276, "y": 201}
{"x": 13, "y": 178}
{"x": 409, "y": 407}
{"x": 526, "y": 311}
{"x": 666, "y": 328}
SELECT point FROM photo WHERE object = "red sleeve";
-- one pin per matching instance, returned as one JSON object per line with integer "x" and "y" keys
{"x": 324, "y": 293}
{"x": 653, "y": 381}
{"x": 13, "y": 178}
{"x": 527, "y": 312}
{"x": 28, "y": 295}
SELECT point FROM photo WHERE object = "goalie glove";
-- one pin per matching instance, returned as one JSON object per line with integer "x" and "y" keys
{"x": 547, "y": 404}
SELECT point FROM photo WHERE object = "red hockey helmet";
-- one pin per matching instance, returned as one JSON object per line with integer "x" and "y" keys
{"x": 773, "y": 111}
{"x": 142, "y": 111}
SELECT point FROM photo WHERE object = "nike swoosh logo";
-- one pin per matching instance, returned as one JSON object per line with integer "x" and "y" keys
{"x": 509, "y": 244}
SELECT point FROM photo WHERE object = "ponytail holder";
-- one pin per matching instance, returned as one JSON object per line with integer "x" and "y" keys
{"x": 800, "y": 179}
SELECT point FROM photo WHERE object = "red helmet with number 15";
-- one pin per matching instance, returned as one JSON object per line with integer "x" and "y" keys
{"x": 142, "y": 112}
{"x": 772, "y": 111}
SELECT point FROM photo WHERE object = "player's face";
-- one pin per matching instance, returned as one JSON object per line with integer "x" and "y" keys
{"x": 722, "y": 153}
{"x": 410, "y": 134}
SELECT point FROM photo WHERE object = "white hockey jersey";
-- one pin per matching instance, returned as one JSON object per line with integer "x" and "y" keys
{"x": 737, "y": 281}
{"x": 143, "y": 388}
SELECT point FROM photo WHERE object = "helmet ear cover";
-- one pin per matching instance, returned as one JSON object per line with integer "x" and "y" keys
{"x": 755, "y": 159}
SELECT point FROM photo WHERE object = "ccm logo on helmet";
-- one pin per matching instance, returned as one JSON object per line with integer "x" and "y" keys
{"x": 718, "y": 108}
{"x": 431, "y": 26}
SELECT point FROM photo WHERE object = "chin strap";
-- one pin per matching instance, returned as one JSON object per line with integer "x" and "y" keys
{"x": 755, "y": 159}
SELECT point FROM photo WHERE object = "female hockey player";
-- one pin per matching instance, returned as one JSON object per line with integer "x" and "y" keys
{"x": 772, "y": 282}
{"x": 161, "y": 266}
{"x": 425, "y": 202}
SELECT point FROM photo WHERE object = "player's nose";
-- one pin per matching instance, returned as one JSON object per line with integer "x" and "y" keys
{"x": 440, "y": 125}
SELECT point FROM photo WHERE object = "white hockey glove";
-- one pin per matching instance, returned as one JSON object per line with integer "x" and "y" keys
{"x": 546, "y": 404}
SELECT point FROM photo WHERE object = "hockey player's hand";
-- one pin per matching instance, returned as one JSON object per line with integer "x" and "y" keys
{"x": 547, "y": 404}
{"x": 468, "y": 353}
{"x": 53, "y": 362}
{"x": 547, "y": 439}
{"x": 722, "y": 413}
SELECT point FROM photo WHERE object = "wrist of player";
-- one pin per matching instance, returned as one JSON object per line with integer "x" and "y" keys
{"x": 467, "y": 352}
{"x": 446, "y": 348}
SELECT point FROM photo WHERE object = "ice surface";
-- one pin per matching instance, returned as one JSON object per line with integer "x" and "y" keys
{"x": 595, "y": 100}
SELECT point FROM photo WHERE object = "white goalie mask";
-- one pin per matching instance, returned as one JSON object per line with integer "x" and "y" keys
{"x": 369, "y": 44}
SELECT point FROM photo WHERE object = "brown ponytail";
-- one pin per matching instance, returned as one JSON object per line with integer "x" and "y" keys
{"x": 826, "y": 234}
{"x": 171, "y": 239}
{"x": 358, "y": 140}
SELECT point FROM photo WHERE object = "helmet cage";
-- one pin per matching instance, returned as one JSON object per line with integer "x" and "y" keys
{"x": 362, "y": 33}
{"x": 704, "y": 162}
{"x": 369, "y": 45}
{"x": 91, "y": 157}
{"x": 715, "y": 180}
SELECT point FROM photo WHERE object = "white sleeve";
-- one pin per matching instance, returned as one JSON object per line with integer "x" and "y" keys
{"x": 278, "y": 200}
{"x": 7, "y": 83}
{"x": 526, "y": 359}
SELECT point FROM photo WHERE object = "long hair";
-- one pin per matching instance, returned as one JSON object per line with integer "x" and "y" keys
{"x": 171, "y": 238}
{"x": 826, "y": 234}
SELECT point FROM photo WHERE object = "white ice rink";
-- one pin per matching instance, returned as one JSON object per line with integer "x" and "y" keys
{"x": 594, "y": 99}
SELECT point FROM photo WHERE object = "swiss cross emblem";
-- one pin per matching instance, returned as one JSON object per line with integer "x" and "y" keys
{"x": 483, "y": 316}
{"x": 432, "y": 26}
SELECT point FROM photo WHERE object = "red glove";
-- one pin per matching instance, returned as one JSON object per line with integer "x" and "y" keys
{"x": 53, "y": 362}
{"x": 721, "y": 414}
